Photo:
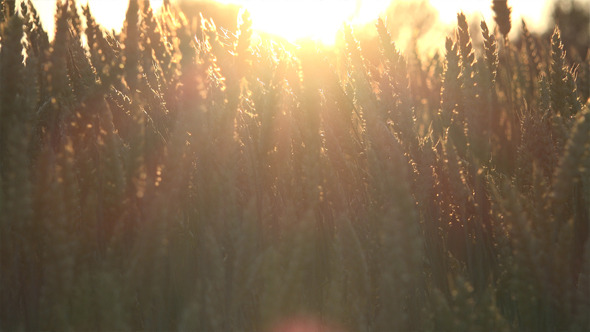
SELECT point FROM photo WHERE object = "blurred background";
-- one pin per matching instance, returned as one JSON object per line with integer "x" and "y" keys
{"x": 424, "y": 22}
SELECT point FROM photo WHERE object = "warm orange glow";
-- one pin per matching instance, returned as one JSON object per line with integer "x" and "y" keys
{"x": 310, "y": 19}
{"x": 536, "y": 13}
{"x": 320, "y": 19}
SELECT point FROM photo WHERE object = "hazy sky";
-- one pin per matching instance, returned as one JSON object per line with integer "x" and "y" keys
{"x": 111, "y": 13}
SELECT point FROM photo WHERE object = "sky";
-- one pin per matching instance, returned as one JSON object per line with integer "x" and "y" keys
{"x": 282, "y": 15}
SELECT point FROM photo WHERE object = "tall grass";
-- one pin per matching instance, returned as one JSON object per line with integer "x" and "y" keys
{"x": 165, "y": 181}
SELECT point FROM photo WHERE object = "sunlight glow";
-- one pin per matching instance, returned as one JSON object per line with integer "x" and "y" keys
{"x": 322, "y": 19}
{"x": 318, "y": 20}
{"x": 536, "y": 13}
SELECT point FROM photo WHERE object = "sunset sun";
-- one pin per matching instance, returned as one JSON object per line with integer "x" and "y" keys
{"x": 317, "y": 20}
{"x": 320, "y": 20}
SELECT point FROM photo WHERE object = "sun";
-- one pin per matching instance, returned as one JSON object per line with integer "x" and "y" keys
{"x": 318, "y": 20}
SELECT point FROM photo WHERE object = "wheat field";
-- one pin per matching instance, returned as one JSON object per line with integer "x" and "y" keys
{"x": 174, "y": 177}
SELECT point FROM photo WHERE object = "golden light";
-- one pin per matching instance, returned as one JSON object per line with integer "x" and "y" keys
{"x": 318, "y": 20}
{"x": 536, "y": 13}
{"x": 321, "y": 19}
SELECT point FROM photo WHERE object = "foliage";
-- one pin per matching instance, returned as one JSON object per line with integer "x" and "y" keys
{"x": 573, "y": 19}
{"x": 153, "y": 180}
